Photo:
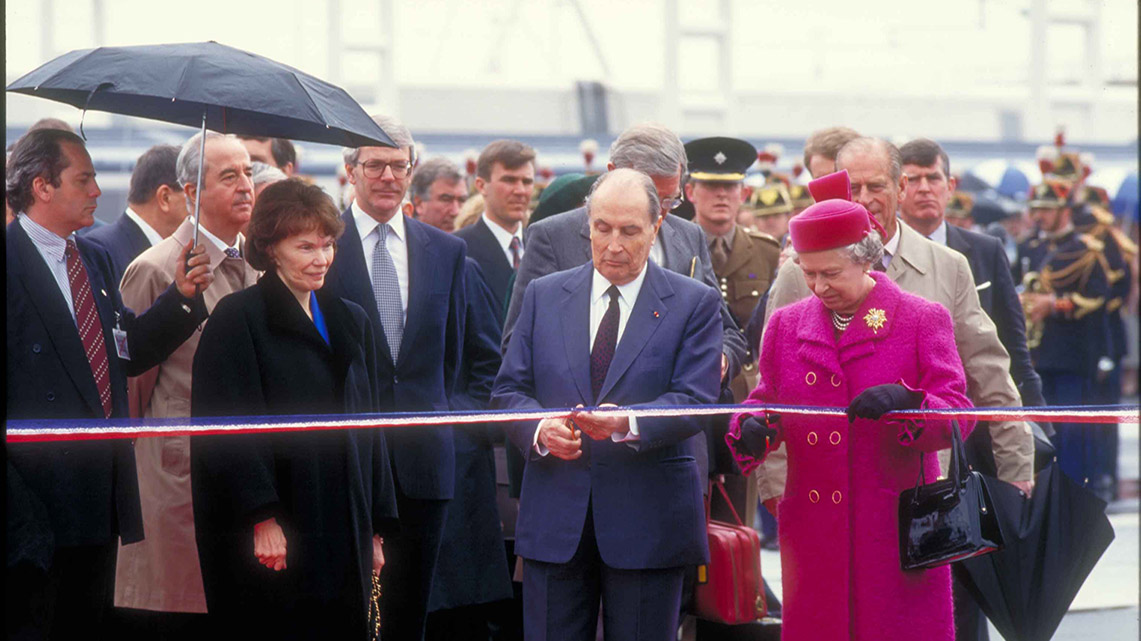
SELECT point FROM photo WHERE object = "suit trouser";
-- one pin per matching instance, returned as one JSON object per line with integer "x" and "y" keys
{"x": 560, "y": 600}
{"x": 409, "y": 565}
{"x": 69, "y": 601}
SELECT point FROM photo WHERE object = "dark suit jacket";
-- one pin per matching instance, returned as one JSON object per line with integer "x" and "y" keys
{"x": 484, "y": 248}
{"x": 425, "y": 376}
{"x": 646, "y": 501}
{"x": 998, "y": 298}
{"x": 88, "y": 487}
{"x": 122, "y": 241}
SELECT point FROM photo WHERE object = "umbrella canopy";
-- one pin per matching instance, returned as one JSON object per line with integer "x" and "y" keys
{"x": 238, "y": 92}
{"x": 991, "y": 206}
{"x": 1053, "y": 540}
{"x": 1012, "y": 180}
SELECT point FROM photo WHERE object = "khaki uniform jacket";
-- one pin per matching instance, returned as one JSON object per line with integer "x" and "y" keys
{"x": 162, "y": 572}
{"x": 747, "y": 274}
{"x": 941, "y": 275}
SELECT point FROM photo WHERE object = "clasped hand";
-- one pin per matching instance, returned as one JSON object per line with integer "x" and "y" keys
{"x": 269, "y": 544}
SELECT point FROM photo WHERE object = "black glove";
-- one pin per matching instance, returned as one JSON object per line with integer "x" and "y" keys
{"x": 876, "y": 401}
{"x": 757, "y": 432}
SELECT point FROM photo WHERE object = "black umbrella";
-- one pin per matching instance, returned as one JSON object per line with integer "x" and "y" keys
{"x": 1053, "y": 540}
{"x": 205, "y": 85}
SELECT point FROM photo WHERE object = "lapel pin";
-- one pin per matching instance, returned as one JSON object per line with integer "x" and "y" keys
{"x": 104, "y": 293}
{"x": 875, "y": 319}
{"x": 656, "y": 314}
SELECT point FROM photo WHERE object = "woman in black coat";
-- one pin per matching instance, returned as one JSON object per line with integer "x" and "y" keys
{"x": 290, "y": 524}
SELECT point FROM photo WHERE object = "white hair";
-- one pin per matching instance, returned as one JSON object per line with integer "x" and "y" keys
{"x": 395, "y": 130}
{"x": 189, "y": 157}
{"x": 650, "y": 148}
{"x": 866, "y": 251}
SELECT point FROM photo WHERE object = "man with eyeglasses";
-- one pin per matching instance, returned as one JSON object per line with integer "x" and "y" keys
{"x": 409, "y": 276}
{"x": 438, "y": 192}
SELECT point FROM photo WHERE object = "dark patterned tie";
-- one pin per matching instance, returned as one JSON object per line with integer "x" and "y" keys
{"x": 386, "y": 289}
{"x": 90, "y": 328}
{"x": 605, "y": 340}
{"x": 515, "y": 254}
{"x": 232, "y": 252}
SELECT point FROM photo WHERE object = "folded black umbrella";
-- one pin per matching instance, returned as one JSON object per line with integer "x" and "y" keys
{"x": 1053, "y": 540}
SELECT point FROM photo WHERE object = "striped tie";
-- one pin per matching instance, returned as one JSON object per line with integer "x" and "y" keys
{"x": 90, "y": 328}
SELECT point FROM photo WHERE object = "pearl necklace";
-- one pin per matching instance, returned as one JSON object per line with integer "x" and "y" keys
{"x": 841, "y": 322}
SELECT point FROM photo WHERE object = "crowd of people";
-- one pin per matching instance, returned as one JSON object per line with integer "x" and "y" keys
{"x": 674, "y": 278}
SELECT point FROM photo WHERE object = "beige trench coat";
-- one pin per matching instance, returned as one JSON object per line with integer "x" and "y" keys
{"x": 161, "y": 572}
{"x": 941, "y": 275}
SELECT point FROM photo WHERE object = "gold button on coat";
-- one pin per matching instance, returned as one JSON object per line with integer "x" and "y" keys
{"x": 834, "y": 438}
{"x": 835, "y": 381}
{"x": 837, "y": 497}
{"x": 810, "y": 378}
{"x": 812, "y": 438}
{"x": 814, "y": 496}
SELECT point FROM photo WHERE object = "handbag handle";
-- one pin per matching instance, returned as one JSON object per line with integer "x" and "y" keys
{"x": 958, "y": 470}
{"x": 725, "y": 495}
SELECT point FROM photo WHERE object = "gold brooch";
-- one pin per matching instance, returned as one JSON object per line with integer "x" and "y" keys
{"x": 875, "y": 318}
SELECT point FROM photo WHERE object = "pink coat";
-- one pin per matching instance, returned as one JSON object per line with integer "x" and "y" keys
{"x": 839, "y": 533}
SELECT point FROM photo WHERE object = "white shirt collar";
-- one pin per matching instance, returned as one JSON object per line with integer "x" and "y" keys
{"x": 628, "y": 292}
{"x": 892, "y": 245}
{"x": 153, "y": 236}
{"x": 939, "y": 235}
{"x": 502, "y": 235}
{"x": 366, "y": 223}
{"x": 48, "y": 241}
{"x": 218, "y": 242}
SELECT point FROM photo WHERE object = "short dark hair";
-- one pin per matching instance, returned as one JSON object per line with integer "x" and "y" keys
{"x": 51, "y": 123}
{"x": 281, "y": 149}
{"x": 286, "y": 208}
{"x": 924, "y": 152}
{"x": 512, "y": 154}
{"x": 155, "y": 168}
{"x": 37, "y": 153}
{"x": 828, "y": 142}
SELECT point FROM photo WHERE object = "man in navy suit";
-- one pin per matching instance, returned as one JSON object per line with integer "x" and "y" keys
{"x": 410, "y": 278}
{"x": 505, "y": 176}
{"x": 156, "y": 207}
{"x": 930, "y": 186}
{"x": 71, "y": 345}
{"x": 615, "y": 516}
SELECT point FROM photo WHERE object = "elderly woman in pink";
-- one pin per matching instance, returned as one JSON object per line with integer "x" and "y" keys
{"x": 864, "y": 344}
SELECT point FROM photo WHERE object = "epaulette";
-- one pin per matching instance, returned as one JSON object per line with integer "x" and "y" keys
{"x": 760, "y": 235}
{"x": 1104, "y": 217}
{"x": 1091, "y": 243}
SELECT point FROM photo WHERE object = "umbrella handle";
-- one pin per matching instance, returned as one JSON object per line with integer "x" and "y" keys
{"x": 88, "y": 103}
{"x": 198, "y": 186}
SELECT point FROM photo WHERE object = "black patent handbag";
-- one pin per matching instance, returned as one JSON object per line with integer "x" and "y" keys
{"x": 949, "y": 520}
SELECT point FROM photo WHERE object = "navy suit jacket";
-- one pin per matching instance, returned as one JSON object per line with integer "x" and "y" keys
{"x": 999, "y": 299}
{"x": 122, "y": 242}
{"x": 646, "y": 502}
{"x": 88, "y": 487}
{"x": 424, "y": 377}
{"x": 484, "y": 248}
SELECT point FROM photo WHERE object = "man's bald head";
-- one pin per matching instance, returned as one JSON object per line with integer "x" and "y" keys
{"x": 624, "y": 219}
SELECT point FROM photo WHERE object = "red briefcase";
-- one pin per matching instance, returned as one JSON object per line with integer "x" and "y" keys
{"x": 729, "y": 588}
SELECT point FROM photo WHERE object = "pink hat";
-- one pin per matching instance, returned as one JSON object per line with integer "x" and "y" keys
{"x": 834, "y": 221}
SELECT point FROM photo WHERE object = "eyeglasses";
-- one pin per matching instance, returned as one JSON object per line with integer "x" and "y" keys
{"x": 375, "y": 168}
{"x": 670, "y": 204}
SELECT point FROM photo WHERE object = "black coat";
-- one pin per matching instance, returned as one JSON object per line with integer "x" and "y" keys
{"x": 88, "y": 488}
{"x": 998, "y": 298}
{"x": 329, "y": 490}
{"x": 121, "y": 241}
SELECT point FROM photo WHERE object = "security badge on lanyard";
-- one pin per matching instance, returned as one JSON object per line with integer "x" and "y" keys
{"x": 120, "y": 339}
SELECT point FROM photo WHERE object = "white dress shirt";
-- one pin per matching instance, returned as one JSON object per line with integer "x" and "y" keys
{"x": 53, "y": 250}
{"x": 396, "y": 242}
{"x": 218, "y": 242}
{"x": 892, "y": 246}
{"x": 153, "y": 236}
{"x": 939, "y": 235}
{"x": 504, "y": 237}
{"x": 599, "y": 303}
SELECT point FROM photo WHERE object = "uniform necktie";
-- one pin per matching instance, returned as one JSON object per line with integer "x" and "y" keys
{"x": 720, "y": 255}
{"x": 605, "y": 340}
{"x": 232, "y": 252}
{"x": 515, "y": 246}
{"x": 89, "y": 325}
{"x": 386, "y": 289}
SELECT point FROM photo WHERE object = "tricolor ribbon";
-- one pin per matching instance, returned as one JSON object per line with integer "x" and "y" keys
{"x": 32, "y": 430}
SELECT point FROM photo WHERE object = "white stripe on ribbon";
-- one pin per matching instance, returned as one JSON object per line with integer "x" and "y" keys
{"x": 24, "y": 431}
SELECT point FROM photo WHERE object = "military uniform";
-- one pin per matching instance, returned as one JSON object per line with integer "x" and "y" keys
{"x": 751, "y": 264}
{"x": 1068, "y": 344}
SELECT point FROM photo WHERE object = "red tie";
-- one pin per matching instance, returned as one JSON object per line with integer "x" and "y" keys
{"x": 90, "y": 328}
{"x": 515, "y": 247}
